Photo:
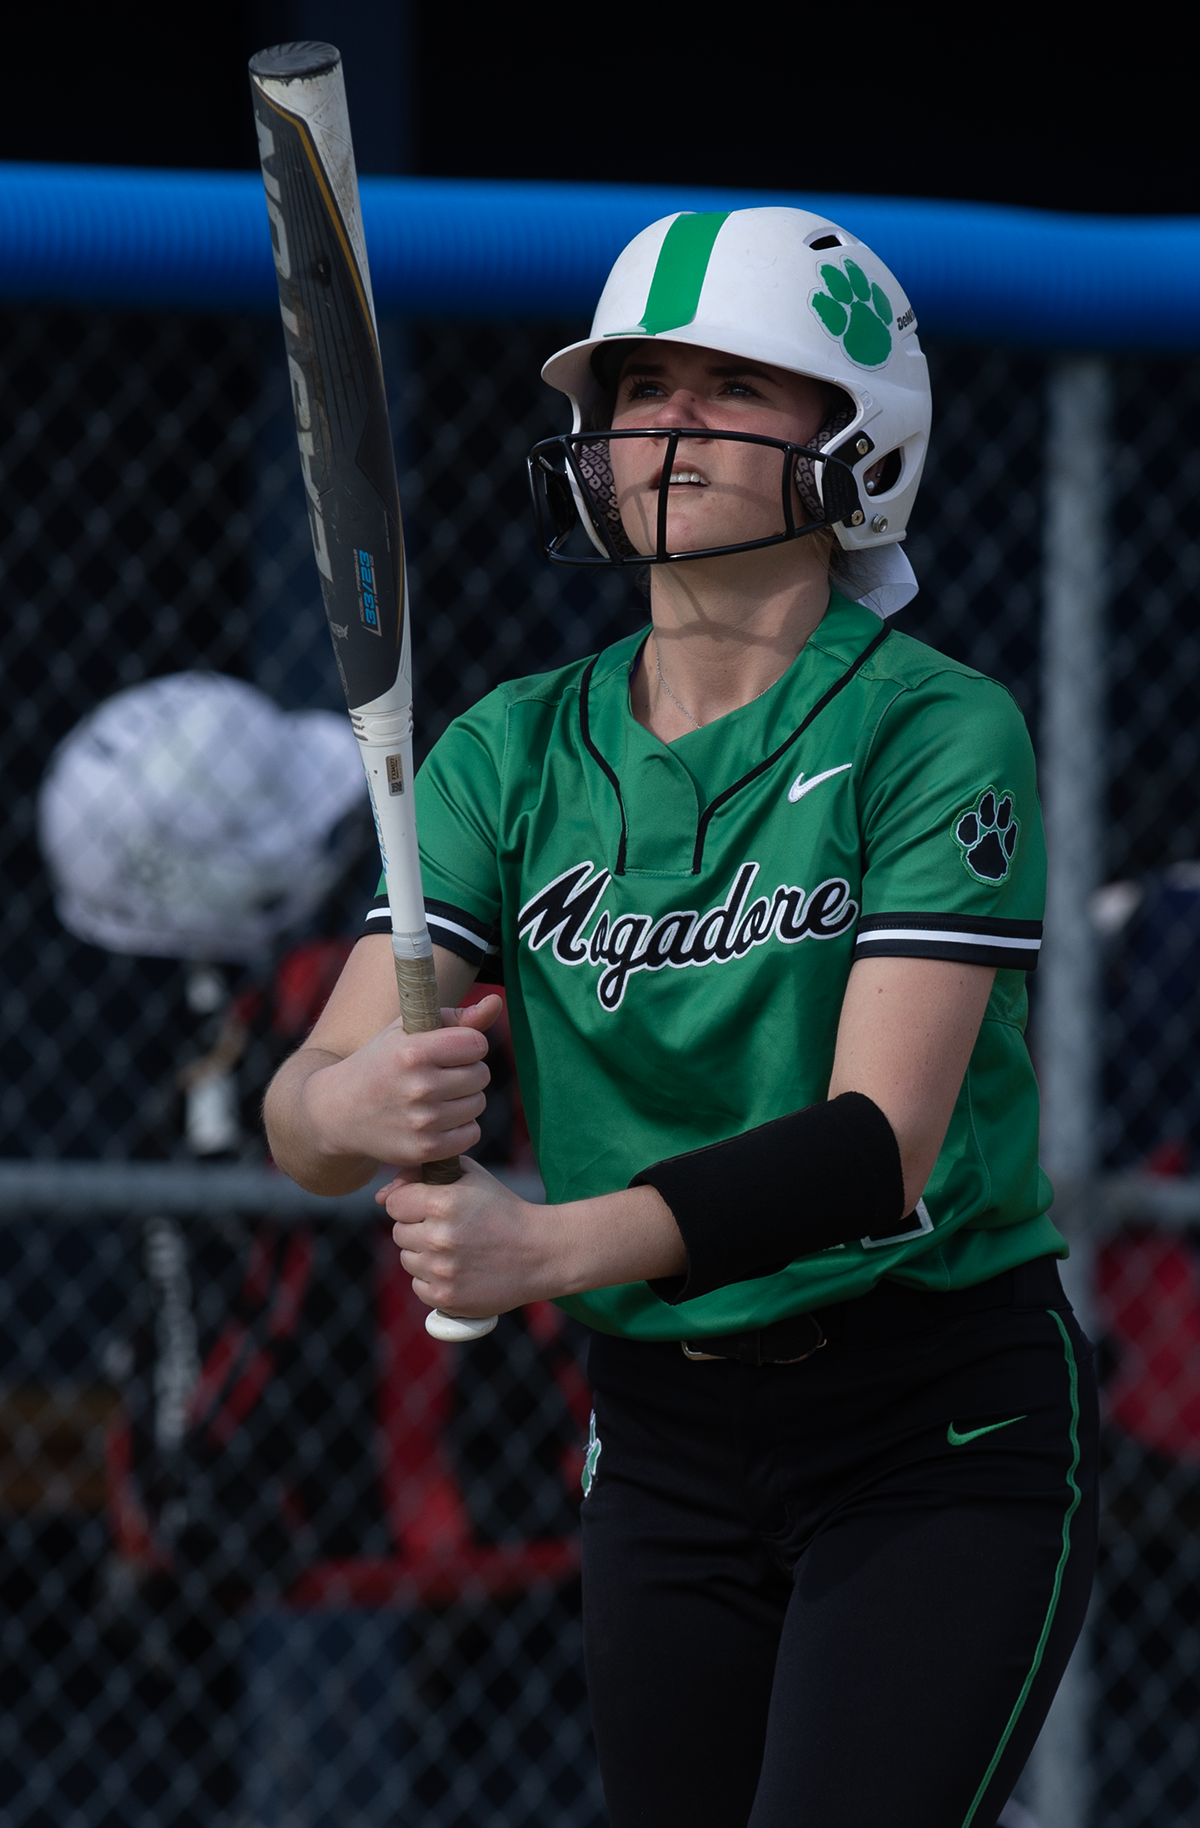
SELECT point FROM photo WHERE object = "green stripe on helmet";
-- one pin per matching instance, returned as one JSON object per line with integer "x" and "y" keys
{"x": 679, "y": 273}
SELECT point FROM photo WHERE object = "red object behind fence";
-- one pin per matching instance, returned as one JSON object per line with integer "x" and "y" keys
{"x": 1148, "y": 1294}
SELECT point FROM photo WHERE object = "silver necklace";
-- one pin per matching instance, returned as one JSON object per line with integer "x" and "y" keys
{"x": 696, "y": 725}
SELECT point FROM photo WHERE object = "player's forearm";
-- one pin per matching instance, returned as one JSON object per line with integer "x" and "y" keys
{"x": 476, "y": 1248}
{"x": 845, "y": 1168}
{"x": 629, "y": 1236}
{"x": 303, "y": 1141}
{"x": 904, "y": 1040}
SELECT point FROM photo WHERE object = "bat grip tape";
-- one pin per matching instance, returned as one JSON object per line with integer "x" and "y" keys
{"x": 421, "y": 1012}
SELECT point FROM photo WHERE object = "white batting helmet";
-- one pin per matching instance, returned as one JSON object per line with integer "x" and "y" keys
{"x": 190, "y": 817}
{"x": 788, "y": 288}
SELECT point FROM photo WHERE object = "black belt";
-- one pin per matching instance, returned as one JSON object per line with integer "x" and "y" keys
{"x": 889, "y": 1311}
{"x": 784, "y": 1342}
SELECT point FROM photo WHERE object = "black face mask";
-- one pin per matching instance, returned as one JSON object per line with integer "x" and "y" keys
{"x": 571, "y": 476}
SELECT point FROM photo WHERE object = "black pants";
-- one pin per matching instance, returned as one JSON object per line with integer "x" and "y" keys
{"x": 840, "y": 1593}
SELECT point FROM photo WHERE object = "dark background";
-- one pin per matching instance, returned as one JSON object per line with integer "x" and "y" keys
{"x": 987, "y": 105}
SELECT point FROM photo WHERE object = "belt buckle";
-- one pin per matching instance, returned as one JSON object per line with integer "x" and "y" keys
{"x": 799, "y": 1361}
{"x": 821, "y": 1340}
{"x": 698, "y": 1358}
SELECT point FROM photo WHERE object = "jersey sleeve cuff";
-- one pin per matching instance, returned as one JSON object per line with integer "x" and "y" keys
{"x": 453, "y": 928}
{"x": 973, "y": 939}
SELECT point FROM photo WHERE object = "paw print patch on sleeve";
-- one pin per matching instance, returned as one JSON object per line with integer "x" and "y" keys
{"x": 987, "y": 836}
{"x": 855, "y": 312}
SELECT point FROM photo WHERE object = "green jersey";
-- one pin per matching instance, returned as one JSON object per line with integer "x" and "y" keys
{"x": 675, "y": 924}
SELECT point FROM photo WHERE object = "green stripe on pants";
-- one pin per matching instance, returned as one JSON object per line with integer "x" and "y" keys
{"x": 1039, "y": 1653}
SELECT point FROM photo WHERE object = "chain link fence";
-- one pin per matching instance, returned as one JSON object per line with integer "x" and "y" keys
{"x": 269, "y": 1559}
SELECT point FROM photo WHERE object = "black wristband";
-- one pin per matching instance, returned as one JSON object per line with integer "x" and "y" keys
{"x": 746, "y": 1207}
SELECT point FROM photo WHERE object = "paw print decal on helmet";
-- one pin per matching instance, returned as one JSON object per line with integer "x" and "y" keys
{"x": 855, "y": 312}
{"x": 987, "y": 836}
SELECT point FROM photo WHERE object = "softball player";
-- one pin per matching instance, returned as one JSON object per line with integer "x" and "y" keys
{"x": 763, "y": 883}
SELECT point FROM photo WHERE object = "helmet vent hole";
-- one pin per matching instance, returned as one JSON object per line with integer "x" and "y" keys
{"x": 884, "y": 474}
{"x": 825, "y": 241}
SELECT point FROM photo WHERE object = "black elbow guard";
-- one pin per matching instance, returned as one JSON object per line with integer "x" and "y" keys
{"x": 746, "y": 1207}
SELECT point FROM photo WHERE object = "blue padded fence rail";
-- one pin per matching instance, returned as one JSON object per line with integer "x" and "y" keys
{"x": 199, "y": 241}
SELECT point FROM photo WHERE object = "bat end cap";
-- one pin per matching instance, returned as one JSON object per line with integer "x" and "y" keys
{"x": 307, "y": 57}
{"x": 456, "y": 1329}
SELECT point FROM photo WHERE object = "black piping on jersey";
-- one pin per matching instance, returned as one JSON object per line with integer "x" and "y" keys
{"x": 713, "y": 806}
{"x": 585, "y": 730}
{"x": 976, "y": 939}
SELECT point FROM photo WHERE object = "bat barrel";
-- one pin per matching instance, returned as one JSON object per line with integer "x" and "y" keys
{"x": 334, "y": 368}
{"x": 349, "y": 471}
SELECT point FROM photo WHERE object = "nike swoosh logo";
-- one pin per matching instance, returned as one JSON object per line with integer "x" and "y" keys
{"x": 800, "y": 786}
{"x": 972, "y": 1434}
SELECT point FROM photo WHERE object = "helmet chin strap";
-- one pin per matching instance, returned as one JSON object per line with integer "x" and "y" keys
{"x": 806, "y": 481}
{"x": 878, "y": 577}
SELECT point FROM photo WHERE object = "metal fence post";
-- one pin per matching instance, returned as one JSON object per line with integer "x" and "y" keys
{"x": 1068, "y": 1039}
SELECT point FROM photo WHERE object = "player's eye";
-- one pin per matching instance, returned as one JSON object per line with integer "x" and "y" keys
{"x": 741, "y": 390}
{"x": 643, "y": 389}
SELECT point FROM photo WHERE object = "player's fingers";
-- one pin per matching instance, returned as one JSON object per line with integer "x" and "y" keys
{"x": 431, "y": 1110}
{"x": 415, "y": 1079}
{"x": 450, "y": 1044}
{"x": 436, "y": 1086}
{"x": 476, "y": 1016}
{"x": 419, "y": 1263}
{"x": 481, "y": 1015}
{"x": 441, "y": 1292}
{"x": 434, "y": 1285}
{"x": 413, "y": 1260}
{"x": 433, "y": 1136}
{"x": 426, "y": 1282}
{"x": 426, "y": 1249}
{"x": 401, "y": 1177}
{"x": 439, "y": 1145}
{"x": 414, "y": 1202}
{"x": 423, "y": 1292}
{"x": 432, "y": 1127}
{"x": 454, "y": 1046}
{"x": 436, "y": 1207}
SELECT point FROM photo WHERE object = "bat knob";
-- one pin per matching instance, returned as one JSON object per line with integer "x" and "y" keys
{"x": 456, "y": 1329}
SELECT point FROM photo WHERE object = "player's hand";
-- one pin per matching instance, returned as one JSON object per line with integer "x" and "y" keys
{"x": 405, "y": 1099}
{"x": 474, "y": 1248}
